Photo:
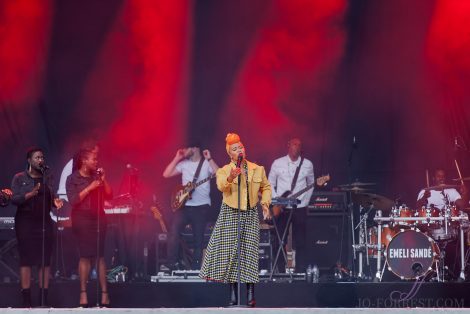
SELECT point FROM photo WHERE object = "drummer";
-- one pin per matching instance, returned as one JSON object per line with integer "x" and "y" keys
{"x": 441, "y": 194}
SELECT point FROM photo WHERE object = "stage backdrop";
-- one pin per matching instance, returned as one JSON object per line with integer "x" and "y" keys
{"x": 146, "y": 77}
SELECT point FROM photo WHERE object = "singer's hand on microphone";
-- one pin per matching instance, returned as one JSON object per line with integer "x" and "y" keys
{"x": 233, "y": 174}
{"x": 93, "y": 185}
{"x": 101, "y": 173}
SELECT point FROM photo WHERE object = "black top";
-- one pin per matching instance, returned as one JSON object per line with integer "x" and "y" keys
{"x": 23, "y": 183}
{"x": 93, "y": 201}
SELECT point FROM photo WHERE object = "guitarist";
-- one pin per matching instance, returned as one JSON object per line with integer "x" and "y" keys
{"x": 293, "y": 173}
{"x": 193, "y": 166}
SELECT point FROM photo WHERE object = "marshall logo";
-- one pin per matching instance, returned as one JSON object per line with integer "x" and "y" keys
{"x": 322, "y": 242}
{"x": 321, "y": 199}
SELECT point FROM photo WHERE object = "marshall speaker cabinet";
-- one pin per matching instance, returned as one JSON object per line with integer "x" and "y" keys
{"x": 328, "y": 230}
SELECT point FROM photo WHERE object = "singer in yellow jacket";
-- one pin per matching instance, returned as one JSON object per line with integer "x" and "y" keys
{"x": 221, "y": 259}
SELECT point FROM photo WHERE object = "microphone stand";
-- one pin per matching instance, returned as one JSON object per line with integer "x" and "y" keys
{"x": 239, "y": 245}
{"x": 351, "y": 205}
{"x": 98, "y": 227}
{"x": 43, "y": 240}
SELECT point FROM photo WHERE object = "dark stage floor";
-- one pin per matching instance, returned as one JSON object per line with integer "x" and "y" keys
{"x": 297, "y": 294}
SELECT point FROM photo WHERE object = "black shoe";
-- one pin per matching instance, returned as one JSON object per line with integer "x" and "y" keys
{"x": 250, "y": 295}
{"x": 84, "y": 305}
{"x": 26, "y": 295}
{"x": 105, "y": 304}
{"x": 233, "y": 294}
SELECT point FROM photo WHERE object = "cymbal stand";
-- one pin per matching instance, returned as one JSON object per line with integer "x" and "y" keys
{"x": 351, "y": 211}
{"x": 379, "y": 273}
{"x": 462, "y": 252}
{"x": 363, "y": 242}
{"x": 446, "y": 209}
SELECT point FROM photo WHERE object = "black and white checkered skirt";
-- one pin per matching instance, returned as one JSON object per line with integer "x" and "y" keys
{"x": 220, "y": 261}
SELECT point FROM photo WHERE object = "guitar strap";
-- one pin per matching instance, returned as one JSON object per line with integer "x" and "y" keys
{"x": 198, "y": 170}
{"x": 296, "y": 175}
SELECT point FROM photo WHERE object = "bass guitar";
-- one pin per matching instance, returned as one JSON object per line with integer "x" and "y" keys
{"x": 320, "y": 181}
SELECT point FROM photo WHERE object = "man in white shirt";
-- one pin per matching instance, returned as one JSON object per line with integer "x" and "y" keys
{"x": 281, "y": 177}
{"x": 438, "y": 198}
{"x": 194, "y": 211}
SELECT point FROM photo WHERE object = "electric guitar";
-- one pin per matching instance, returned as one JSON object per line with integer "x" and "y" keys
{"x": 320, "y": 181}
{"x": 182, "y": 193}
{"x": 157, "y": 214}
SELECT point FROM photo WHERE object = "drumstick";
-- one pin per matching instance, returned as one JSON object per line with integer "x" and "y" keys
{"x": 427, "y": 178}
{"x": 458, "y": 170}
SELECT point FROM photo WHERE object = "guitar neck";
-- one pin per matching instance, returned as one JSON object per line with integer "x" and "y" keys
{"x": 297, "y": 194}
{"x": 204, "y": 181}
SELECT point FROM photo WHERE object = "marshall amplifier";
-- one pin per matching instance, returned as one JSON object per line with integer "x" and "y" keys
{"x": 325, "y": 202}
{"x": 327, "y": 230}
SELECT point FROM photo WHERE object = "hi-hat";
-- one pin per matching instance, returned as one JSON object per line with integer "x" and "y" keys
{"x": 376, "y": 201}
{"x": 441, "y": 187}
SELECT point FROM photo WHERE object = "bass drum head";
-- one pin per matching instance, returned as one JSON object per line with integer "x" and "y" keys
{"x": 411, "y": 254}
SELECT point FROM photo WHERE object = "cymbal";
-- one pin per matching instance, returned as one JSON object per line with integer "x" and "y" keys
{"x": 441, "y": 187}
{"x": 377, "y": 201}
{"x": 463, "y": 179}
{"x": 356, "y": 184}
{"x": 355, "y": 189}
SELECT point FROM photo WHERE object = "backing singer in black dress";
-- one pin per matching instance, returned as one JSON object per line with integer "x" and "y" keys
{"x": 87, "y": 188}
{"x": 33, "y": 196}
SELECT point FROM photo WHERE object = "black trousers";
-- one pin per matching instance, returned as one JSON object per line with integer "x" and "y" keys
{"x": 299, "y": 241}
{"x": 196, "y": 217}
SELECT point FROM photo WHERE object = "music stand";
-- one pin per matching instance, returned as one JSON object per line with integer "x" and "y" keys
{"x": 283, "y": 201}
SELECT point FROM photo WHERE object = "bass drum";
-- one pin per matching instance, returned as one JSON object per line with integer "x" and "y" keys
{"x": 411, "y": 254}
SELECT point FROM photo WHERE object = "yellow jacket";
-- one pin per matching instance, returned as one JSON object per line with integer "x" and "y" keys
{"x": 257, "y": 181}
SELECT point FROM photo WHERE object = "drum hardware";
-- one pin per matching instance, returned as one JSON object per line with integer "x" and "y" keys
{"x": 364, "y": 243}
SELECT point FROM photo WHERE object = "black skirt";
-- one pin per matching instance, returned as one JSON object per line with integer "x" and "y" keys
{"x": 29, "y": 233}
{"x": 89, "y": 234}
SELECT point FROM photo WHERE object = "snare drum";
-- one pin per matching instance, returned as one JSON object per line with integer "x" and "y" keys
{"x": 411, "y": 254}
{"x": 439, "y": 234}
{"x": 428, "y": 212}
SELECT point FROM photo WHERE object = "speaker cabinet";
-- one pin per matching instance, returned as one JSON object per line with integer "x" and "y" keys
{"x": 327, "y": 239}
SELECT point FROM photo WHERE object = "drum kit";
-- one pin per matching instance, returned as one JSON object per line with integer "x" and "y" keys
{"x": 409, "y": 242}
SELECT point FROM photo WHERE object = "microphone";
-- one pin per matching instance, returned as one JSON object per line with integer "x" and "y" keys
{"x": 239, "y": 160}
{"x": 44, "y": 167}
{"x": 354, "y": 143}
{"x": 99, "y": 172}
{"x": 131, "y": 167}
